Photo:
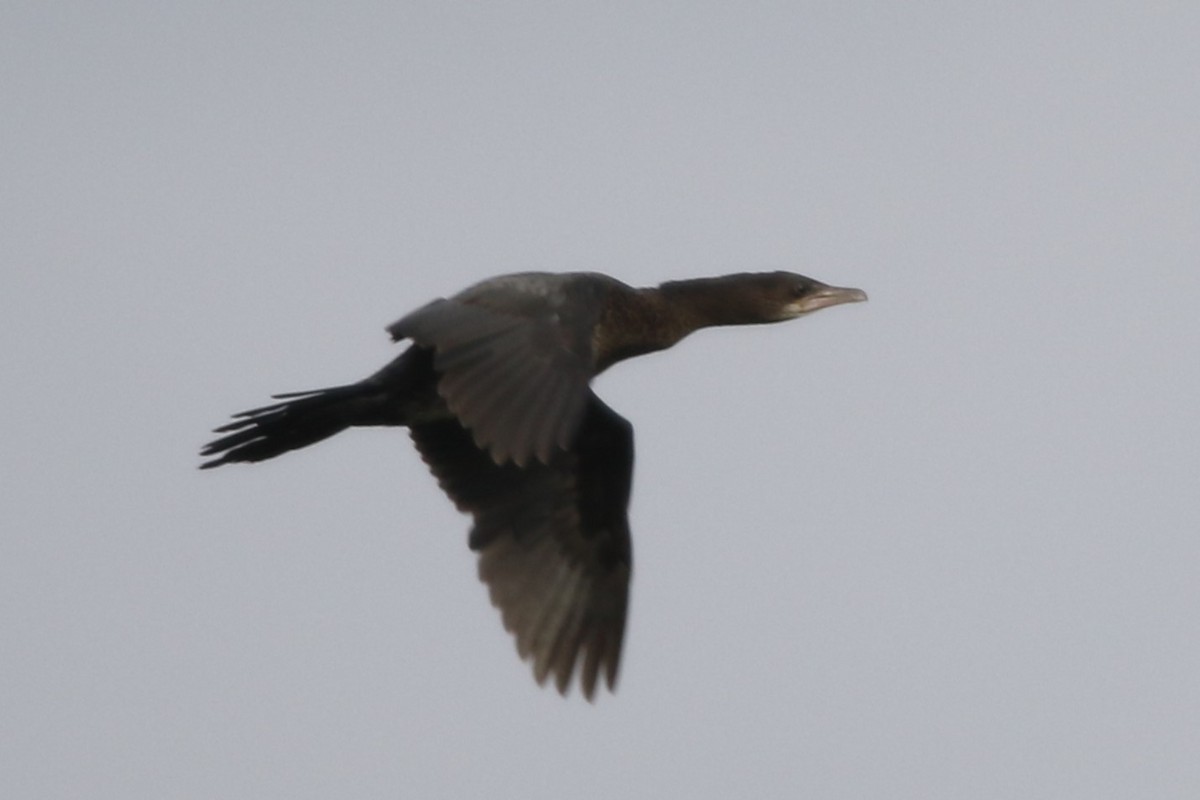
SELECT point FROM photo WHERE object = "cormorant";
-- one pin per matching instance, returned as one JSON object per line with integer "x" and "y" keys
{"x": 494, "y": 390}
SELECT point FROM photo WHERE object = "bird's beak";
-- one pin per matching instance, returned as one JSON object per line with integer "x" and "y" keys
{"x": 826, "y": 296}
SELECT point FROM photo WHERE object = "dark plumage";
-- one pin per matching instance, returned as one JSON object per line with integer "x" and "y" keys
{"x": 495, "y": 393}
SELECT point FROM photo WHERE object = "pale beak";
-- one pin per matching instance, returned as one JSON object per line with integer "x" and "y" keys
{"x": 826, "y": 296}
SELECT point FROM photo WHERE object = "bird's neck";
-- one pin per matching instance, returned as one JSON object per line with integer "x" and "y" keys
{"x": 705, "y": 303}
{"x": 653, "y": 319}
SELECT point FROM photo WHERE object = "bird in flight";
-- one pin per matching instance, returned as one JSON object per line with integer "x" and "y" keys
{"x": 495, "y": 392}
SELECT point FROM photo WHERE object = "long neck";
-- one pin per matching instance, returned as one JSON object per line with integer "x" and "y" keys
{"x": 647, "y": 320}
{"x": 706, "y": 302}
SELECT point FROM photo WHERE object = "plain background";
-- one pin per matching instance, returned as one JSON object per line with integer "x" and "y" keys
{"x": 945, "y": 544}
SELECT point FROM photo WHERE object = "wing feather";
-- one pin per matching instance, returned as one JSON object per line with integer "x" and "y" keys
{"x": 553, "y": 540}
{"x": 490, "y": 363}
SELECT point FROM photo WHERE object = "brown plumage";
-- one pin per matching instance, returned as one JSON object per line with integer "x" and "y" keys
{"x": 495, "y": 392}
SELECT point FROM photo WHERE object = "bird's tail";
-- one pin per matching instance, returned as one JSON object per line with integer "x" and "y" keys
{"x": 391, "y": 396}
{"x": 303, "y": 418}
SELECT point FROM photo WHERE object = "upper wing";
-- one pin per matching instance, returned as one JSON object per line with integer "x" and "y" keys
{"x": 517, "y": 382}
{"x": 553, "y": 540}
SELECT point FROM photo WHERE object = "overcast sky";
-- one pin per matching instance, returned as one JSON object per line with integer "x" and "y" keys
{"x": 945, "y": 544}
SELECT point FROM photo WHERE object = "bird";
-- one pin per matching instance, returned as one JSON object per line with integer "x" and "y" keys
{"x": 494, "y": 389}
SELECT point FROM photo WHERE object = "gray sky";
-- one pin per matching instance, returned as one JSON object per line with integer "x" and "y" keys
{"x": 942, "y": 545}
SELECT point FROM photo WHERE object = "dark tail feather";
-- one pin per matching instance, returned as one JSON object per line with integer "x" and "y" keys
{"x": 303, "y": 419}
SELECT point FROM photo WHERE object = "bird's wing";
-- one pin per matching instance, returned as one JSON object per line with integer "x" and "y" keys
{"x": 553, "y": 540}
{"x": 517, "y": 382}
